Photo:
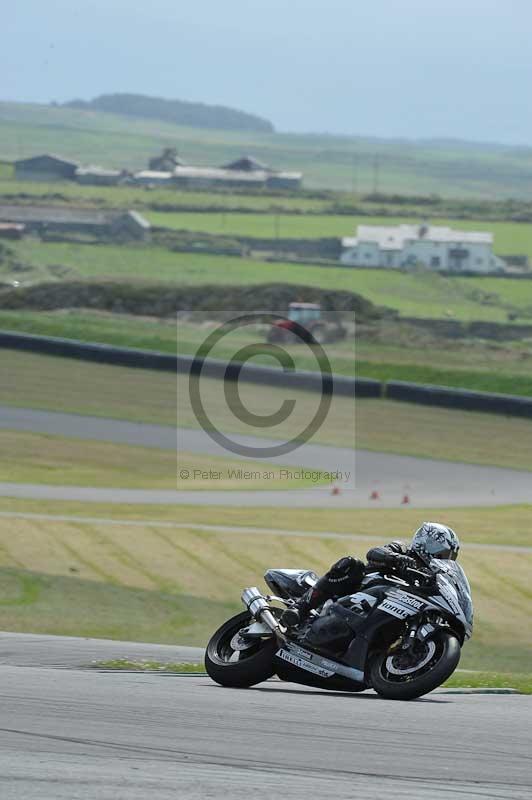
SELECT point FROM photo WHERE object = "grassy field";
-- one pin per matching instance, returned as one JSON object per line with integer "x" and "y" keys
{"x": 505, "y": 370}
{"x": 158, "y": 583}
{"x": 454, "y": 169}
{"x": 55, "y": 460}
{"x": 509, "y": 238}
{"x": 32, "y": 381}
{"x": 37, "y": 602}
{"x": 501, "y": 368}
{"x": 160, "y": 199}
{"x": 147, "y": 197}
{"x": 268, "y": 202}
{"x": 420, "y": 295}
{"x": 507, "y": 526}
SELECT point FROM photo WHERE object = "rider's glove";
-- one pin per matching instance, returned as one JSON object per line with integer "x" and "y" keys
{"x": 402, "y": 563}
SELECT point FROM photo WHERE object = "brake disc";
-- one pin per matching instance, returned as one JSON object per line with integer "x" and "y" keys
{"x": 238, "y": 642}
{"x": 393, "y": 670}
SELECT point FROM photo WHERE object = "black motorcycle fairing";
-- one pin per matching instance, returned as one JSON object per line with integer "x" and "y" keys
{"x": 379, "y": 627}
{"x": 370, "y": 626}
{"x": 335, "y": 627}
{"x": 329, "y": 632}
{"x": 336, "y": 683}
{"x": 290, "y": 583}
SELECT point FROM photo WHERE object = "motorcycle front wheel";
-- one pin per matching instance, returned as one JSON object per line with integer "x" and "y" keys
{"x": 231, "y": 662}
{"x": 401, "y": 675}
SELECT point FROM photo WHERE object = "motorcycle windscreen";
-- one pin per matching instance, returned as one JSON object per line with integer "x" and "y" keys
{"x": 456, "y": 575}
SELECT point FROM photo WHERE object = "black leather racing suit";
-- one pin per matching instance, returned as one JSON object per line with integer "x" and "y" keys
{"x": 395, "y": 557}
{"x": 345, "y": 576}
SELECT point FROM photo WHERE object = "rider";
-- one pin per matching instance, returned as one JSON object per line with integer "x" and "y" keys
{"x": 431, "y": 540}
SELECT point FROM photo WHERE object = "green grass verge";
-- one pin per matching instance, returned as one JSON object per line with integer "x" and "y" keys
{"x": 472, "y": 379}
{"x": 35, "y": 602}
{"x": 463, "y": 679}
{"x": 460, "y": 680}
{"x": 121, "y": 664}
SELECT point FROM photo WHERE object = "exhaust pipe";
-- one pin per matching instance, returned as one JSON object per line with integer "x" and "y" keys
{"x": 259, "y": 608}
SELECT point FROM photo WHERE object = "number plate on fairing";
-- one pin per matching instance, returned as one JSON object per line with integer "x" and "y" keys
{"x": 302, "y": 663}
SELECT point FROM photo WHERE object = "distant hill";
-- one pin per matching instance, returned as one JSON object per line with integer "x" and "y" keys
{"x": 450, "y": 169}
{"x": 180, "y": 112}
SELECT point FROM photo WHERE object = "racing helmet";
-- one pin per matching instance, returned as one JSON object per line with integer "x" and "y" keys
{"x": 434, "y": 540}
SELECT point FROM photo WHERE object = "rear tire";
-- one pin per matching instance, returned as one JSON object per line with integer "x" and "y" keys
{"x": 411, "y": 685}
{"x": 253, "y": 666}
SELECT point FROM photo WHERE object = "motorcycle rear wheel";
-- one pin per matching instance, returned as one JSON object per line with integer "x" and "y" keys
{"x": 407, "y": 683}
{"x": 239, "y": 668}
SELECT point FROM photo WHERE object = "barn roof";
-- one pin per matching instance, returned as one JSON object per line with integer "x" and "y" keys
{"x": 46, "y": 157}
{"x": 99, "y": 172}
{"x": 220, "y": 174}
{"x": 395, "y": 237}
{"x": 43, "y": 214}
{"x": 247, "y": 164}
{"x": 62, "y": 214}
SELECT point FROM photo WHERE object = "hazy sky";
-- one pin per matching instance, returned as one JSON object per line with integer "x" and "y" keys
{"x": 457, "y": 68}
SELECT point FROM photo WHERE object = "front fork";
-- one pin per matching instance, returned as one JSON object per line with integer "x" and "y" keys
{"x": 416, "y": 632}
{"x": 260, "y": 609}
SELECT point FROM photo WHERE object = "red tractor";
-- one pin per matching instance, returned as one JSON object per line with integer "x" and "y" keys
{"x": 304, "y": 323}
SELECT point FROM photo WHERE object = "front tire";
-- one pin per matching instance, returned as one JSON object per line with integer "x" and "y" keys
{"x": 398, "y": 681}
{"x": 239, "y": 668}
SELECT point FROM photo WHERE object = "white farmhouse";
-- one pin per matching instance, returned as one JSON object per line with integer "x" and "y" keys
{"x": 435, "y": 247}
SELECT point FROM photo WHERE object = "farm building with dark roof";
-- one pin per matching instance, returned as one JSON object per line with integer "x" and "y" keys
{"x": 247, "y": 164}
{"x": 46, "y": 167}
{"x": 52, "y": 219}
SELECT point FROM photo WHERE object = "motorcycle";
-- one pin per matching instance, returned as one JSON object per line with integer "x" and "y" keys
{"x": 401, "y": 636}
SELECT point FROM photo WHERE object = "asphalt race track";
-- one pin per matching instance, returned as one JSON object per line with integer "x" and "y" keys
{"x": 39, "y": 650}
{"x": 428, "y": 483}
{"x": 70, "y": 730}
{"x": 69, "y": 733}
